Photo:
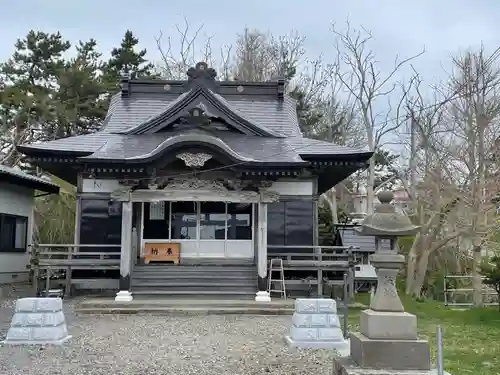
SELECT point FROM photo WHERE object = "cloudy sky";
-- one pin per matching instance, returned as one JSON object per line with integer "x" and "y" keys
{"x": 443, "y": 27}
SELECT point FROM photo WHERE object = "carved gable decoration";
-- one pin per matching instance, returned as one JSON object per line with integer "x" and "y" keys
{"x": 195, "y": 189}
{"x": 193, "y": 160}
{"x": 196, "y": 116}
{"x": 196, "y": 184}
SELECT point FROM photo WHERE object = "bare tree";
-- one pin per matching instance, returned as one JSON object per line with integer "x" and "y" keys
{"x": 475, "y": 114}
{"x": 175, "y": 63}
{"x": 262, "y": 56}
{"x": 452, "y": 199}
{"x": 361, "y": 78}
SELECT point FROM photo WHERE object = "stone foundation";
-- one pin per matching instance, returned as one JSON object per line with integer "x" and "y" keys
{"x": 38, "y": 321}
{"x": 345, "y": 366}
{"x": 390, "y": 354}
{"x": 315, "y": 324}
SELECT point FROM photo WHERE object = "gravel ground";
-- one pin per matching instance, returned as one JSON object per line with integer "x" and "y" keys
{"x": 128, "y": 344}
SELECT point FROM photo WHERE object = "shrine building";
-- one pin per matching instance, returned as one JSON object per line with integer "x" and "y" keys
{"x": 199, "y": 172}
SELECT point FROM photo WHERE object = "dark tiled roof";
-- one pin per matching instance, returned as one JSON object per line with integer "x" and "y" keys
{"x": 125, "y": 113}
{"x": 310, "y": 147}
{"x": 132, "y": 125}
{"x": 18, "y": 177}
{"x": 109, "y": 146}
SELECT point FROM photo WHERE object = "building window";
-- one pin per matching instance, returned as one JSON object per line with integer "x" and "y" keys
{"x": 156, "y": 221}
{"x": 184, "y": 220}
{"x": 200, "y": 220}
{"x": 239, "y": 222}
{"x": 213, "y": 217}
{"x": 13, "y": 233}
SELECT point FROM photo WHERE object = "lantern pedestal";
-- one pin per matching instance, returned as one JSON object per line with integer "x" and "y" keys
{"x": 390, "y": 354}
{"x": 379, "y": 325}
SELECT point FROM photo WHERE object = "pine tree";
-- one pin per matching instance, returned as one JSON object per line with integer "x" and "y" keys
{"x": 125, "y": 59}
{"x": 81, "y": 99}
{"x": 29, "y": 79}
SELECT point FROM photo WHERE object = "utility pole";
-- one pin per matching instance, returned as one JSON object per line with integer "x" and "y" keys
{"x": 413, "y": 159}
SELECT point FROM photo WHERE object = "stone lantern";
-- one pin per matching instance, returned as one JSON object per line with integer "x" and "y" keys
{"x": 388, "y": 335}
{"x": 386, "y": 226}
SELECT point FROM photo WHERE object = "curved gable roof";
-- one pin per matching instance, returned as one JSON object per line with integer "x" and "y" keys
{"x": 215, "y": 104}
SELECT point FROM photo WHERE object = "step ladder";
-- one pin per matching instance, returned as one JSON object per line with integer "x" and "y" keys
{"x": 276, "y": 265}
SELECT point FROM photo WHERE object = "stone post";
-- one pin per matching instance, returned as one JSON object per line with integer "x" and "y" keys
{"x": 387, "y": 339}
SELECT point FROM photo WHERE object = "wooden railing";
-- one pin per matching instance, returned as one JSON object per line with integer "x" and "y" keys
{"x": 69, "y": 257}
{"x": 313, "y": 257}
{"x": 319, "y": 259}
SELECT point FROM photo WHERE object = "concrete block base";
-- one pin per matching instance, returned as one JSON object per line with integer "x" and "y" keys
{"x": 123, "y": 296}
{"x": 38, "y": 321}
{"x": 346, "y": 366}
{"x": 28, "y": 342}
{"x": 388, "y": 325}
{"x": 390, "y": 354}
{"x": 342, "y": 347}
{"x": 262, "y": 296}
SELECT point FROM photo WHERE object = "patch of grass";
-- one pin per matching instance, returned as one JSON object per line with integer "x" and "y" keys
{"x": 471, "y": 338}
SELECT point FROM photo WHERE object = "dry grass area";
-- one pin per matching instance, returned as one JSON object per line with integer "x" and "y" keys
{"x": 471, "y": 338}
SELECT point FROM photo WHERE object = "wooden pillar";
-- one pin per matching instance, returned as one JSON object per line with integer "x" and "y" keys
{"x": 317, "y": 249}
{"x": 78, "y": 210}
{"x": 78, "y": 218}
{"x": 124, "y": 294}
{"x": 76, "y": 238}
{"x": 262, "y": 294}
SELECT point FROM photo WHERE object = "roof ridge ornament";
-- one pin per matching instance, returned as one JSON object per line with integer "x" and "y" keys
{"x": 281, "y": 88}
{"x": 201, "y": 73}
{"x": 125, "y": 84}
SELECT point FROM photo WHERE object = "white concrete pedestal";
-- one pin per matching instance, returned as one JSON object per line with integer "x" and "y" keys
{"x": 262, "y": 296}
{"x": 38, "y": 321}
{"x": 123, "y": 296}
{"x": 315, "y": 325}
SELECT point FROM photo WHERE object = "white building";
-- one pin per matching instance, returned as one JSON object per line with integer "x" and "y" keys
{"x": 17, "y": 200}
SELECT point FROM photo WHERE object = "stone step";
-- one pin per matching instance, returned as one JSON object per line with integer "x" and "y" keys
{"x": 195, "y": 293}
{"x": 189, "y": 306}
{"x": 181, "y": 268}
{"x": 188, "y": 277}
{"x": 183, "y": 311}
{"x": 193, "y": 275}
{"x": 199, "y": 287}
{"x": 201, "y": 284}
{"x": 183, "y": 305}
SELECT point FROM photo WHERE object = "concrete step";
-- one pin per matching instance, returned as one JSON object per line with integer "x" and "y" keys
{"x": 194, "y": 275}
{"x": 189, "y": 306}
{"x": 215, "y": 268}
{"x": 202, "y": 284}
{"x": 195, "y": 293}
{"x": 187, "y": 277}
{"x": 182, "y": 306}
{"x": 183, "y": 311}
{"x": 200, "y": 288}
{"x": 170, "y": 271}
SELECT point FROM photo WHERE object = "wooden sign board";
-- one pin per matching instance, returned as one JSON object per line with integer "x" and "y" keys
{"x": 161, "y": 252}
